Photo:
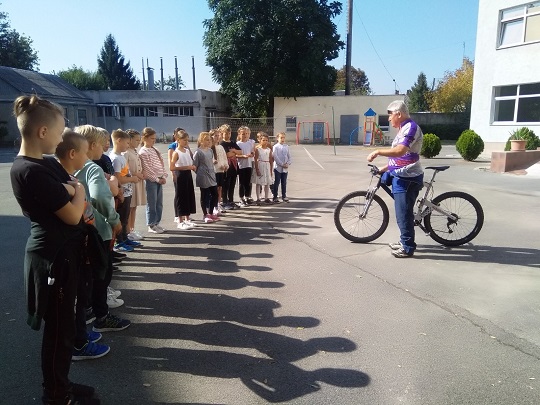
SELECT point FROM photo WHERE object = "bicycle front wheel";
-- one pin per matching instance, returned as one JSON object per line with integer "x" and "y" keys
{"x": 355, "y": 227}
{"x": 462, "y": 222}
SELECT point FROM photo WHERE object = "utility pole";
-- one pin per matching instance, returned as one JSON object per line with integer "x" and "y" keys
{"x": 348, "y": 55}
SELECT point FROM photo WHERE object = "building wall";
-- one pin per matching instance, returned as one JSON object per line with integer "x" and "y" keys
{"x": 497, "y": 67}
{"x": 330, "y": 109}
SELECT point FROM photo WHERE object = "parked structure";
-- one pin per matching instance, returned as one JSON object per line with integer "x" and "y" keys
{"x": 506, "y": 88}
{"x": 344, "y": 116}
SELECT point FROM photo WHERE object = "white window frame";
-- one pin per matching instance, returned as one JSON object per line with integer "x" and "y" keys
{"x": 516, "y": 98}
{"x": 289, "y": 122}
{"x": 524, "y": 17}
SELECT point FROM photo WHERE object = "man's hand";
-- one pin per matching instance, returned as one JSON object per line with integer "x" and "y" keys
{"x": 373, "y": 155}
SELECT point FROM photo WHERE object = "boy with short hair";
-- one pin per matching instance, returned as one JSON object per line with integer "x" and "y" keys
{"x": 121, "y": 143}
{"x": 108, "y": 225}
{"x": 282, "y": 161}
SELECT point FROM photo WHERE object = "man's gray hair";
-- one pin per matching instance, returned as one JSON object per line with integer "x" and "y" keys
{"x": 399, "y": 105}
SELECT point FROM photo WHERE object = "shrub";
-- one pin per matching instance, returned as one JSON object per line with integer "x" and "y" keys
{"x": 533, "y": 142}
{"x": 469, "y": 145}
{"x": 431, "y": 146}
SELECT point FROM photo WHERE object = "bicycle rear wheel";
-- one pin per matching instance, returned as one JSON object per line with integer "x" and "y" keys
{"x": 349, "y": 221}
{"x": 463, "y": 223}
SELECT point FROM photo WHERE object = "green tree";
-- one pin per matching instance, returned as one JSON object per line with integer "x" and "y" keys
{"x": 454, "y": 92}
{"x": 116, "y": 72}
{"x": 83, "y": 80}
{"x": 419, "y": 95}
{"x": 262, "y": 49}
{"x": 15, "y": 50}
{"x": 169, "y": 83}
{"x": 359, "y": 81}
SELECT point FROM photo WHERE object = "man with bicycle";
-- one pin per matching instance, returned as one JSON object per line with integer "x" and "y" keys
{"x": 404, "y": 172}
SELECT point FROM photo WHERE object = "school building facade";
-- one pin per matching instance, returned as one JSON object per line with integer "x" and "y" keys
{"x": 506, "y": 87}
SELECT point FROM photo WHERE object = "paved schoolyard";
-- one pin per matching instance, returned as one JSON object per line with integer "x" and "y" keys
{"x": 273, "y": 305}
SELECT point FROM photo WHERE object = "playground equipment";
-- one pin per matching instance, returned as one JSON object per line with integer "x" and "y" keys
{"x": 312, "y": 132}
{"x": 373, "y": 135}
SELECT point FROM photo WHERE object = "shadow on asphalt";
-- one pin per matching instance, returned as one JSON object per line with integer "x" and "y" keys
{"x": 219, "y": 320}
{"x": 482, "y": 254}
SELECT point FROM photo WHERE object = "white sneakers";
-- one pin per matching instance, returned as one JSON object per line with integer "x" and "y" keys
{"x": 112, "y": 298}
{"x": 135, "y": 236}
{"x": 184, "y": 226}
{"x": 155, "y": 229}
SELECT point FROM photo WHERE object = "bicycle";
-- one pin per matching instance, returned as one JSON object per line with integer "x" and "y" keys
{"x": 451, "y": 219}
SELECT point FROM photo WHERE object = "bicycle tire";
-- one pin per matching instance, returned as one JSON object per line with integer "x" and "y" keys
{"x": 469, "y": 219}
{"x": 361, "y": 230}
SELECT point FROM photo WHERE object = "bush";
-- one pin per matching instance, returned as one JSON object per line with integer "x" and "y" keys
{"x": 431, "y": 146}
{"x": 533, "y": 142}
{"x": 469, "y": 145}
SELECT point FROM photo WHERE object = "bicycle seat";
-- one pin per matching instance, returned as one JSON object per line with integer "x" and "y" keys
{"x": 438, "y": 168}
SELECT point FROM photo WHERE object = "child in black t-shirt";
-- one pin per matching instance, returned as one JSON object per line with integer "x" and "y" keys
{"x": 54, "y": 248}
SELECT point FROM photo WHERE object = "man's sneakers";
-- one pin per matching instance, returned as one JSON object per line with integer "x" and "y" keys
{"x": 90, "y": 351}
{"x": 134, "y": 235}
{"x": 275, "y": 200}
{"x": 401, "y": 253}
{"x": 398, "y": 250}
{"x": 110, "y": 323}
{"x": 123, "y": 247}
{"x": 90, "y": 316}
{"x": 93, "y": 337}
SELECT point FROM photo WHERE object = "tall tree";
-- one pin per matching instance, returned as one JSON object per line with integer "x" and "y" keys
{"x": 115, "y": 70}
{"x": 419, "y": 95}
{"x": 259, "y": 50}
{"x": 359, "y": 81}
{"x": 454, "y": 92}
{"x": 169, "y": 83}
{"x": 83, "y": 80}
{"x": 15, "y": 49}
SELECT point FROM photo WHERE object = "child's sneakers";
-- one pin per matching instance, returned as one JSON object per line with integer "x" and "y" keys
{"x": 89, "y": 351}
{"x": 110, "y": 323}
{"x": 183, "y": 226}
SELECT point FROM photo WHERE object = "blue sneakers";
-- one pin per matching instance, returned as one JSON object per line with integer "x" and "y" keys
{"x": 133, "y": 243}
{"x": 122, "y": 247}
{"x": 90, "y": 351}
{"x": 93, "y": 336}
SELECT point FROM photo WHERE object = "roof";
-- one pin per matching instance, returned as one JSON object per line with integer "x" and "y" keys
{"x": 15, "y": 82}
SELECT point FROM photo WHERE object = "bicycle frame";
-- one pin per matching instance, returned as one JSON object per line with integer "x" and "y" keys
{"x": 424, "y": 206}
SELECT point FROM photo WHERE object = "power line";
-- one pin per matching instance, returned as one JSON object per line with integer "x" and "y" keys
{"x": 375, "y": 49}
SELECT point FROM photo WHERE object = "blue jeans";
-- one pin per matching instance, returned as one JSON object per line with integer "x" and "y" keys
{"x": 154, "y": 203}
{"x": 279, "y": 178}
{"x": 405, "y": 194}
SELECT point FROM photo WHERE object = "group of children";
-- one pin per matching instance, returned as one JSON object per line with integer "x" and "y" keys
{"x": 82, "y": 206}
{"x": 218, "y": 163}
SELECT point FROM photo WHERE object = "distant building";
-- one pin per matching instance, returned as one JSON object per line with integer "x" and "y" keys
{"x": 506, "y": 87}
{"x": 78, "y": 107}
{"x": 315, "y": 118}
{"x": 193, "y": 110}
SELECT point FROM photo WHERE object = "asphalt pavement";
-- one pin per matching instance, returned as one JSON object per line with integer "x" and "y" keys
{"x": 273, "y": 305}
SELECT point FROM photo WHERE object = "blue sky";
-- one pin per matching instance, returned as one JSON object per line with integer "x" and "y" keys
{"x": 392, "y": 40}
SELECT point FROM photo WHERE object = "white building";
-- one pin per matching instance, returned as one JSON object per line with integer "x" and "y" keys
{"x": 506, "y": 89}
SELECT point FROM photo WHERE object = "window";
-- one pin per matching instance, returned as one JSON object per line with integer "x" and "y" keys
{"x": 186, "y": 111}
{"x": 384, "y": 123}
{"x": 81, "y": 117}
{"x": 170, "y": 111}
{"x": 517, "y": 103}
{"x": 519, "y": 25}
{"x": 152, "y": 111}
{"x": 290, "y": 124}
{"x": 136, "y": 111}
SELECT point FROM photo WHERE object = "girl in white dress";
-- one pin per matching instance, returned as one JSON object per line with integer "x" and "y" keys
{"x": 263, "y": 166}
